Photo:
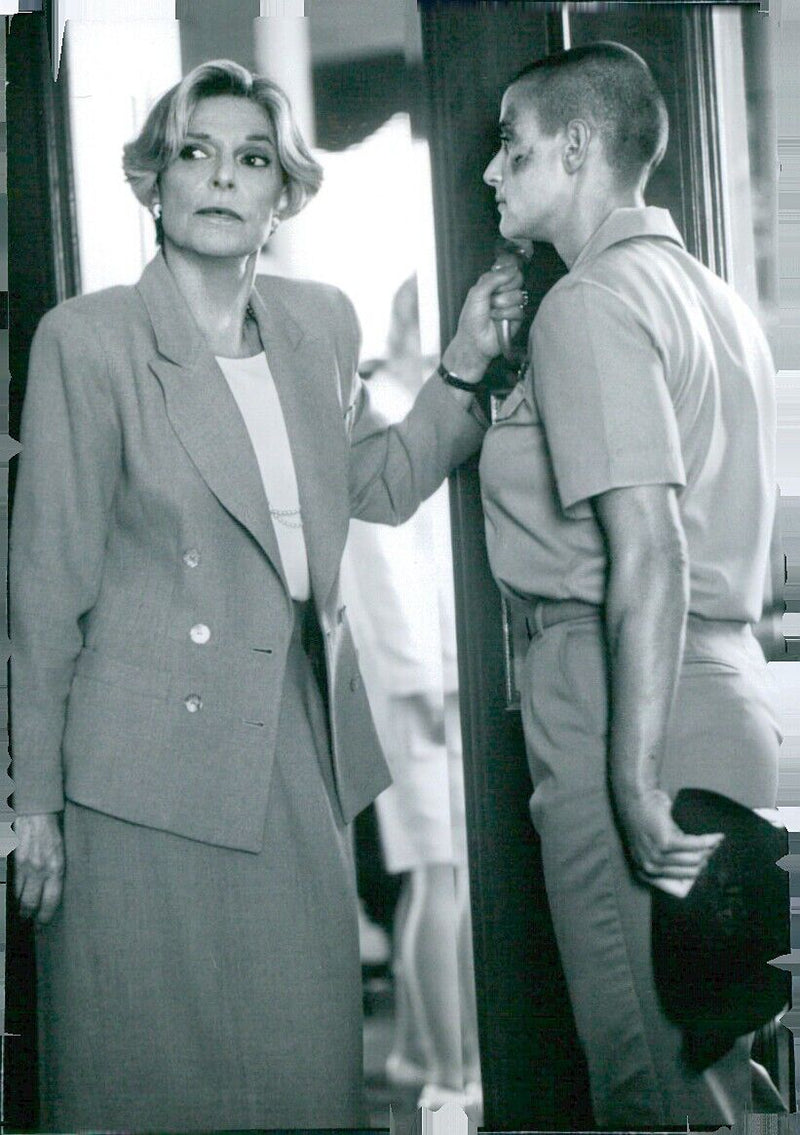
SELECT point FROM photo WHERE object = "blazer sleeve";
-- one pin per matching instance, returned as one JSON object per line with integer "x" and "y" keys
{"x": 393, "y": 469}
{"x": 67, "y": 473}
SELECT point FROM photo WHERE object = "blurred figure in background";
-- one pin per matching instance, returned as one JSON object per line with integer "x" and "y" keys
{"x": 398, "y": 583}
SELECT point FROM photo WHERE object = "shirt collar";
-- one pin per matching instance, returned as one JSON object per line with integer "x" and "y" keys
{"x": 623, "y": 224}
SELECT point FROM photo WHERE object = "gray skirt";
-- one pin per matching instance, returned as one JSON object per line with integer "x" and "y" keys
{"x": 186, "y": 986}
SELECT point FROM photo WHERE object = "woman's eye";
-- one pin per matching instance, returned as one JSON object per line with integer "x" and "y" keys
{"x": 257, "y": 161}
{"x": 191, "y": 152}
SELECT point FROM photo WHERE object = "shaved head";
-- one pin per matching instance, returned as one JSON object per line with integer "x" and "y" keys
{"x": 611, "y": 88}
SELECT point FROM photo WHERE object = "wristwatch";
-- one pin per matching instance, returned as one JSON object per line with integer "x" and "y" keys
{"x": 453, "y": 380}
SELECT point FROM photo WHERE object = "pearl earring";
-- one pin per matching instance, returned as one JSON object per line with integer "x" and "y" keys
{"x": 156, "y": 210}
{"x": 274, "y": 223}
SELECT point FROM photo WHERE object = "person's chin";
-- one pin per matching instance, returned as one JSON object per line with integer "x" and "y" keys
{"x": 525, "y": 234}
{"x": 223, "y": 248}
{"x": 507, "y": 228}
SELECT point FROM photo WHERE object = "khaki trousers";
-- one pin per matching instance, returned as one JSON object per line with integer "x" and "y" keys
{"x": 724, "y": 736}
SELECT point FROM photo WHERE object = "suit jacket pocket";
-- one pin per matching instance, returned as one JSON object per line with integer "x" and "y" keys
{"x": 113, "y": 703}
{"x": 188, "y": 752}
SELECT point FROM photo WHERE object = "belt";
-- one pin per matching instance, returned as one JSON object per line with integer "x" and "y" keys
{"x": 543, "y": 613}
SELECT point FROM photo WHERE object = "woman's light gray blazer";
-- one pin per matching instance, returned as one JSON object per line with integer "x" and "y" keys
{"x": 140, "y": 514}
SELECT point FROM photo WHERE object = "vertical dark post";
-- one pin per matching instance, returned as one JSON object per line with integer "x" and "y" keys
{"x": 43, "y": 270}
{"x": 533, "y": 1072}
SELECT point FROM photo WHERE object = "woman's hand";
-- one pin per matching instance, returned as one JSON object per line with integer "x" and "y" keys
{"x": 660, "y": 851}
{"x": 38, "y": 865}
{"x": 496, "y": 296}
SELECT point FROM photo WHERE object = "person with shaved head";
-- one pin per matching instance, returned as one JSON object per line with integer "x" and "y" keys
{"x": 628, "y": 485}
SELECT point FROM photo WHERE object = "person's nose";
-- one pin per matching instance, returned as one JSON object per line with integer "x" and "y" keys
{"x": 224, "y": 172}
{"x": 492, "y": 175}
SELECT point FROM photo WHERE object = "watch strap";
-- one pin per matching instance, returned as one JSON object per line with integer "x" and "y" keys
{"x": 453, "y": 380}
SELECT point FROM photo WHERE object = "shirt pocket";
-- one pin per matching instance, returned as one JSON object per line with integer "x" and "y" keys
{"x": 514, "y": 406}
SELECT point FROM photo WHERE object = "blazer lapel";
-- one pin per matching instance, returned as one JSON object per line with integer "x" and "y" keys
{"x": 302, "y": 368}
{"x": 202, "y": 410}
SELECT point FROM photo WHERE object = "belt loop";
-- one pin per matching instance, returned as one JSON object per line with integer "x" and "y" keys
{"x": 533, "y": 621}
{"x": 537, "y": 617}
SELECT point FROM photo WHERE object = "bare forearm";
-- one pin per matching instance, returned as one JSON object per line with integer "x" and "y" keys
{"x": 647, "y": 599}
{"x": 646, "y": 606}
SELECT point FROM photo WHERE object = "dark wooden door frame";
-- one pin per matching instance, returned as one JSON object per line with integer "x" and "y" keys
{"x": 531, "y": 1065}
{"x": 43, "y": 269}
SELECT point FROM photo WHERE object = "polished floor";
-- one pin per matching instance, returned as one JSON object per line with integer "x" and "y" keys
{"x": 378, "y": 1028}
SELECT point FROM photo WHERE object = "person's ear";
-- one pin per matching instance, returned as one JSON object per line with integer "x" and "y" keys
{"x": 155, "y": 201}
{"x": 578, "y": 136}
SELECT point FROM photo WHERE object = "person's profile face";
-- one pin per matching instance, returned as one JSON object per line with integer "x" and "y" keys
{"x": 219, "y": 194}
{"x": 526, "y": 173}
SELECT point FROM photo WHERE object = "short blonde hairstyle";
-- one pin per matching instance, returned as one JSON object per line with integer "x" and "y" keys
{"x": 166, "y": 126}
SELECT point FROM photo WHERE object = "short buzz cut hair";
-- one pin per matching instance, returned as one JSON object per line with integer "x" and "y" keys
{"x": 164, "y": 131}
{"x": 612, "y": 88}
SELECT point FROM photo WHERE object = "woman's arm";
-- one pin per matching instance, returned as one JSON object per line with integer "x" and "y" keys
{"x": 67, "y": 475}
{"x": 646, "y": 604}
{"x": 392, "y": 470}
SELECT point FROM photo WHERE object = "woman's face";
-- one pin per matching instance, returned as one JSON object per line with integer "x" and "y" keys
{"x": 219, "y": 194}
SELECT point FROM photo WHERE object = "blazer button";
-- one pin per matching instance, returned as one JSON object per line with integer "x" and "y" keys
{"x": 193, "y": 703}
{"x": 355, "y": 682}
{"x": 200, "y": 633}
{"x": 191, "y": 557}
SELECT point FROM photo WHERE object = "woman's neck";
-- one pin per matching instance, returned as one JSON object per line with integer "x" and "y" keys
{"x": 217, "y": 292}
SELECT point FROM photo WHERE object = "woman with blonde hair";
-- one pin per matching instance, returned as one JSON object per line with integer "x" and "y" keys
{"x": 191, "y": 734}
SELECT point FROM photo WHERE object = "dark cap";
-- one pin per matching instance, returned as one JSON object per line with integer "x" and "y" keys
{"x": 711, "y": 949}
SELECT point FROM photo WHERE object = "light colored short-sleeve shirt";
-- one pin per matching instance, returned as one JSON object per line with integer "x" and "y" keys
{"x": 645, "y": 368}
{"x": 253, "y": 387}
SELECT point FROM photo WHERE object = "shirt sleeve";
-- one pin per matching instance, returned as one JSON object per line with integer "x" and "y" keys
{"x": 602, "y": 394}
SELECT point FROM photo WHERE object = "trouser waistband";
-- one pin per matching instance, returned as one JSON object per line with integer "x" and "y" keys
{"x": 539, "y": 614}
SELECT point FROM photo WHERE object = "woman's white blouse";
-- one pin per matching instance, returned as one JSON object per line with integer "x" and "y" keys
{"x": 253, "y": 387}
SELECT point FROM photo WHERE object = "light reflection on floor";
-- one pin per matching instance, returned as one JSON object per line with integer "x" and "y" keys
{"x": 378, "y": 1029}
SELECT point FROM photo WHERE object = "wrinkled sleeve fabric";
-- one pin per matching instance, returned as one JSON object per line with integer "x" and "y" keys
{"x": 393, "y": 469}
{"x": 602, "y": 394}
{"x": 67, "y": 472}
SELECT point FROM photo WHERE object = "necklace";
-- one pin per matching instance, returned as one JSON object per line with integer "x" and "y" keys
{"x": 288, "y": 517}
